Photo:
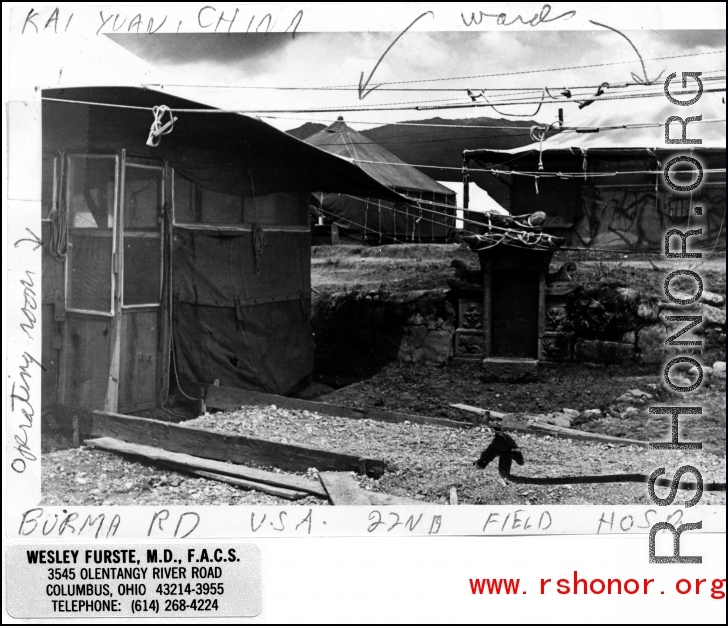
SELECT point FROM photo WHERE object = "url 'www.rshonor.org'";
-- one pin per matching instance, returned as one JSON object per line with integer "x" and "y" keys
{"x": 598, "y": 586}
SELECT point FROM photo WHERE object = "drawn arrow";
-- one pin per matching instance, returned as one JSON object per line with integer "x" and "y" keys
{"x": 363, "y": 92}
{"x": 635, "y": 78}
{"x": 38, "y": 243}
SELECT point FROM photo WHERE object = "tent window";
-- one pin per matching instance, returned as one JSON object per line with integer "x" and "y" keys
{"x": 143, "y": 201}
{"x": 91, "y": 202}
{"x": 91, "y": 192}
{"x": 277, "y": 208}
{"x": 49, "y": 186}
{"x": 195, "y": 205}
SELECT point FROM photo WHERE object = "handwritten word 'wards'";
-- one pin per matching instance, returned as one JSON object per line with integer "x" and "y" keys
{"x": 502, "y": 19}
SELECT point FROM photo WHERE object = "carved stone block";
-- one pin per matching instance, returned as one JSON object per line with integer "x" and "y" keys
{"x": 469, "y": 344}
{"x": 556, "y": 346}
{"x": 471, "y": 314}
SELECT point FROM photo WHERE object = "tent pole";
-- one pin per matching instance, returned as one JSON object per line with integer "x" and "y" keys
{"x": 466, "y": 181}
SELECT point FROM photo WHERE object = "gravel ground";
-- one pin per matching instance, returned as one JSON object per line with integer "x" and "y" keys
{"x": 84, "y": 476}
{"x": 426, "y": 461}
{"x": 427, "y": 389}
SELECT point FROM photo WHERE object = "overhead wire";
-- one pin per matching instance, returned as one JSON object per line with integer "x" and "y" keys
{"x": 552, "y": 69}
{"x": 506, "y": 235}
{"x": 612, "y": 84}
{"x": 399, "y": 107}
{"x": 352, "y": 86}
{"x": 544, "y": 174}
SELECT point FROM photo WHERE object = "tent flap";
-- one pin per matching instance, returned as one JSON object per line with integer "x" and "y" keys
{"x": 245, "y": 328}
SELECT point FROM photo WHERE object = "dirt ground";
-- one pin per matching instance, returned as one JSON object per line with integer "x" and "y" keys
{"x": 426, "y": 461}
{"x": 429, "y": 390}
{"x": 425, "y": 266}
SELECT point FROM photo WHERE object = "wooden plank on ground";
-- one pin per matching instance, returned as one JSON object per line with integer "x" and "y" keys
{"x": 510, "y": 422}
{"x": 570, "y": 433}
{"x": 342, "y": 489}
{"x": 377, "y": 498}
{"x": 281, "y": 492}
{"x": 215, "y": 445}
{"x": 229, "y": 399}
{"x": 479, "y": 411}
{"x": 189, "y": 462}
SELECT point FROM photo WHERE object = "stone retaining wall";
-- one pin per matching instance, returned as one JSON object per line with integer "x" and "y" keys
{"x": 356, "y": 330}
{"x": 618, "y": 325}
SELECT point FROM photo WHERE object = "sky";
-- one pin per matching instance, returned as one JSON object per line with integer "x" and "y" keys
{"x": 235, "y": 71}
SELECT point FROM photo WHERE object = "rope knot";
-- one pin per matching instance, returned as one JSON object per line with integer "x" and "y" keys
{"x": 158, "y": 129}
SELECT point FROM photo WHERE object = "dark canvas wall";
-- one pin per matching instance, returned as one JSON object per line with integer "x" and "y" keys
{"x": 247, "y": 330}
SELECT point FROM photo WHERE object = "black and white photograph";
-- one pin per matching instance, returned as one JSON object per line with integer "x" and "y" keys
{"x": 373, "y": 285}
{"x": 475, "y": 260}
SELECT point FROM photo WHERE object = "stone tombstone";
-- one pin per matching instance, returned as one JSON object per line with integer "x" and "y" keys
{"x": 501, "y": 311}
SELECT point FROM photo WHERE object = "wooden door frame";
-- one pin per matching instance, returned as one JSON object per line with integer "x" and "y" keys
{"x": 112, "y": 388}
{"x": 162, "y": 373}
{"x": 114, "y": 315}
{"x": 65, "y": 189}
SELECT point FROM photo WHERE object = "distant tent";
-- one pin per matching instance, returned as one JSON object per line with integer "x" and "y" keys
{"x": 479, "y": 201}
{"x": 618, "y": 198}
{"x": 427, "y": 218}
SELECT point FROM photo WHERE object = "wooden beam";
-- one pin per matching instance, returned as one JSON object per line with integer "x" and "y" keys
{"x": 193, "y": 463}
{"x": 230, "y": 399}
{"x": 485, "y": 414}
{"x": 571, "y": 433}
{"x": 509, "y": 422}
{"x": 76, "y": 433}
{"x": 281, "y": 492}
{"x": 215, "y": 445}
{"x": 342, "y": 489}
{"x": 376, "y": 498}
{"x": 117, "y": 272}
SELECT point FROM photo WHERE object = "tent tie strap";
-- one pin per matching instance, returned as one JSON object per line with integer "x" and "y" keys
{"x": 158, "y": 129}
{"x": 259, "y": 241}
{"x": 58, "y": 215}
{"x": 239, "y": 314}
{"x": 539, "y": 133}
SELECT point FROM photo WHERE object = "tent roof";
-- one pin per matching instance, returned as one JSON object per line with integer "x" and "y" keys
{"x": 620, "y": 113}
{"x": 341, "y": 140}
{"x": 110, "y": 118}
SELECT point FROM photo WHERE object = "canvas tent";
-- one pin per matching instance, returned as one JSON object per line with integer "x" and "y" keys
{"x": 615, "y": 196}
{"x": 426, "y": 217}
{"x": 186, "y": 262}
{"x": 480, "y": 203}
